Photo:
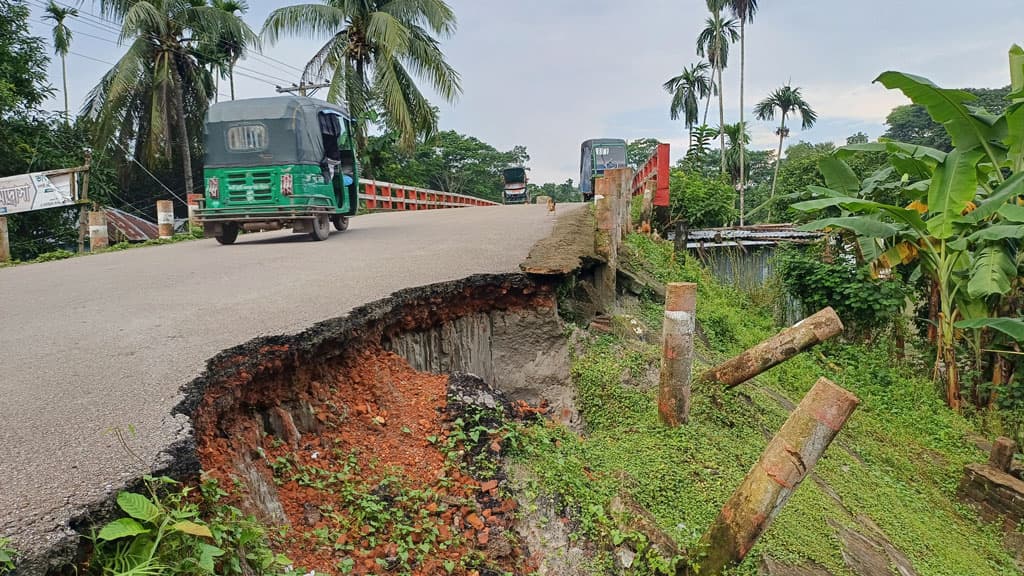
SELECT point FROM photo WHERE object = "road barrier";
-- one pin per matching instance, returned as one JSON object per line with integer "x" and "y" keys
{"x": 656, "y": 171}
{"x": 387, "y": 196}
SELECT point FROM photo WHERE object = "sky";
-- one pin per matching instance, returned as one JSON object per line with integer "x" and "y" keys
{"x": 549, "y": 74}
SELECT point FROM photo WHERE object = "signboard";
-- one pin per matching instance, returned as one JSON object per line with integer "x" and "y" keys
{"x": 27, "y": 192}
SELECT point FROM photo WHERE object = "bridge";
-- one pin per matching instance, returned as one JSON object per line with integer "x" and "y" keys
{"x": 94, "y": 351}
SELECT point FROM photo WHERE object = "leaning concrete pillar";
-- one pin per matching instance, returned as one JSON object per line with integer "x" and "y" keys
{"x": 98, "y": 231}
{"x": 788, "y": 459}
{"x": 1001, "y": 456}
{"x": 677, "y": 353}
{"x": 805, "y": 334}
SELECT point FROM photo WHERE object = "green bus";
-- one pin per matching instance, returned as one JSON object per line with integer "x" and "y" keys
{"x": 278, "y": 162}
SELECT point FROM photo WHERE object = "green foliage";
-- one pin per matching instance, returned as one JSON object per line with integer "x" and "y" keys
{"x": 565, "y": 192}
{"x": 23, "y": 73}
{"x": 865, "y": 304}
{"x": 7, "y": 556}
{"x": 164, "y": 534}
{"x": 638, "y": 151}
{"x": 912, "y": 124}
{"x": 374, "y": 52}
{"x": 954, "y": 230}
{"x": 55, "y": 255}
{"x": 703, "y": 202}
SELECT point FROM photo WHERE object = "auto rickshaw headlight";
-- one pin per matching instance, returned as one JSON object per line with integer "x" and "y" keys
{"x": 213, "y": 187}
{"x": 286, "y": 184}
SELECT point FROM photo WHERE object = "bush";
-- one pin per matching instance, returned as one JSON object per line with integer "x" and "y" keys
{"x": 865, "y": 304}
{"x": 703, "y": 202}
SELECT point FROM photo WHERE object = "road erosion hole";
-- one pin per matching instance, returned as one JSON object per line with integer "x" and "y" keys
{"x": 345, "y": 433}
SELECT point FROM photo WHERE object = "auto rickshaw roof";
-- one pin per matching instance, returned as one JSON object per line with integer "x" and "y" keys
{"x": 268, "y": 108}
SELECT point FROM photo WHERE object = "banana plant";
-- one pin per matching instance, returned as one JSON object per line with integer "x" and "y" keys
{"x": 962, "y": 225}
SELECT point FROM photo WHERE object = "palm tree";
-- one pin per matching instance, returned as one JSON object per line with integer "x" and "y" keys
{"x": 142, "y": 101}
{"x": 62, "y": 44}
{"x": 713, "y": 44}
{"x": 687, "y": 90}
{"x": 734, "y": 151}
{"x": 227, "y": 46}
{"x": 372, "y": 46}
{"x": 784, "y": 101}
{"x": 744, "y": 11}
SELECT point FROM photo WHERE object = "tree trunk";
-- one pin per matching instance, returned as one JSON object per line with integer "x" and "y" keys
{"x": 64, "y": 74}
{"x": 185, "y": 149}
{"x": 743, "y": 58}
{"x": 721, "y": 118}
{"x": 707, "y": 103}
{"x": 778, "y": 160}
{"x": 231, "y": 78}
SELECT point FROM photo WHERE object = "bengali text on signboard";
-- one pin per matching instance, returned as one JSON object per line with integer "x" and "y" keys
{"x": 27, "y": 192}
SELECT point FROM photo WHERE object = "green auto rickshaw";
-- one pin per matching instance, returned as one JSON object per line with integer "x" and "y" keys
{"x": 279, "y": 162}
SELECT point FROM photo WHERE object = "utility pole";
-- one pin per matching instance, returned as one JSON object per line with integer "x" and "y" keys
{"x": 301, "y": 88}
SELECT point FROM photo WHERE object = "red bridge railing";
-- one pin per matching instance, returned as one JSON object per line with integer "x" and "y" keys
{"x": 388, "y": 196}
{"x": 655, "y": 170}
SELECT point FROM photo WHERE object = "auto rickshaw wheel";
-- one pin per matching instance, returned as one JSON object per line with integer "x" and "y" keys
{"x": 340, "y": 222}
{"x": 229, "y": 233}
{"x": 321, "y": 228}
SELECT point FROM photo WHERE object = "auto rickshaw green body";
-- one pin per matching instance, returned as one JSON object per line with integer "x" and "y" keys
{"x": 279, "y": 162}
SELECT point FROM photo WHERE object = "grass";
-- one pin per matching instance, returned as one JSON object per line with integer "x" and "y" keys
{"x": 897, "y": 462}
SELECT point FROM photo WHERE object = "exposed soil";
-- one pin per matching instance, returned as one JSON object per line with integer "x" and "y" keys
{"x": 356, "y": 455}
{"x": 374, "y": 489}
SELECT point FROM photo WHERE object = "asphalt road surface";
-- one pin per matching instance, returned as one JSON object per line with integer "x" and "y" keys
{"x": 93, "y": 345}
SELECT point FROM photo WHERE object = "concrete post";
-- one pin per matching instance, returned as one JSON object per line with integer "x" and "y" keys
{"x": 677, "y": 353}
{"x": 193, "y": 205}
{"x": 98, "y": 231}
{"x": 1001, "y": 456}
{"x": 165, "y": 218}
{"x": 646, "y": 210}
{"x": 805, "y": 334}
{"x": 5, "y": 241}
{"x": 606, "y": 246}
{"x": 788, "y": 459}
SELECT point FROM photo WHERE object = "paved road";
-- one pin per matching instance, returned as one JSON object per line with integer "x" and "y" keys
{"x": 93, "y": 344}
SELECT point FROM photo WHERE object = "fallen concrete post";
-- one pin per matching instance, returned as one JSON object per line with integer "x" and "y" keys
{"x": 788, "y": 459}
{"x": 677, "y": 353}
{"x": 805, "y": 334}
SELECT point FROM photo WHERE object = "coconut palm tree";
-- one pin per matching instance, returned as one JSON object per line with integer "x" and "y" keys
{"x": 744, "y": 11}
{"x": 61, "y": 44}
{"x": 713, "y": 44}
{"x": 734, "y": 150}
{"x": 373, "y": 51}
{"x": 158, "y": 92}
{"x": 784, "y": 101}
{"x": 231, "y": 48}
{"x": 687, "y": 90}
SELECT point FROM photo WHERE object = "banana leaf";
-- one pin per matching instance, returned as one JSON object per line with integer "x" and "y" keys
{"x": 945, "y": 106}
{"x": 991, "y": 272}
{"x": 1012, "y": 327}
{"x": 954, "y": 185}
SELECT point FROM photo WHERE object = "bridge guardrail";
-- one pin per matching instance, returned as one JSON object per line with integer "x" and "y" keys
{"x": 388, "y": 196}
{"x": 656, "y": 169}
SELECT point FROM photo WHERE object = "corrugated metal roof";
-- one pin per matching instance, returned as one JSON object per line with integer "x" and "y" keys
{"x": 121, "y": 224}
